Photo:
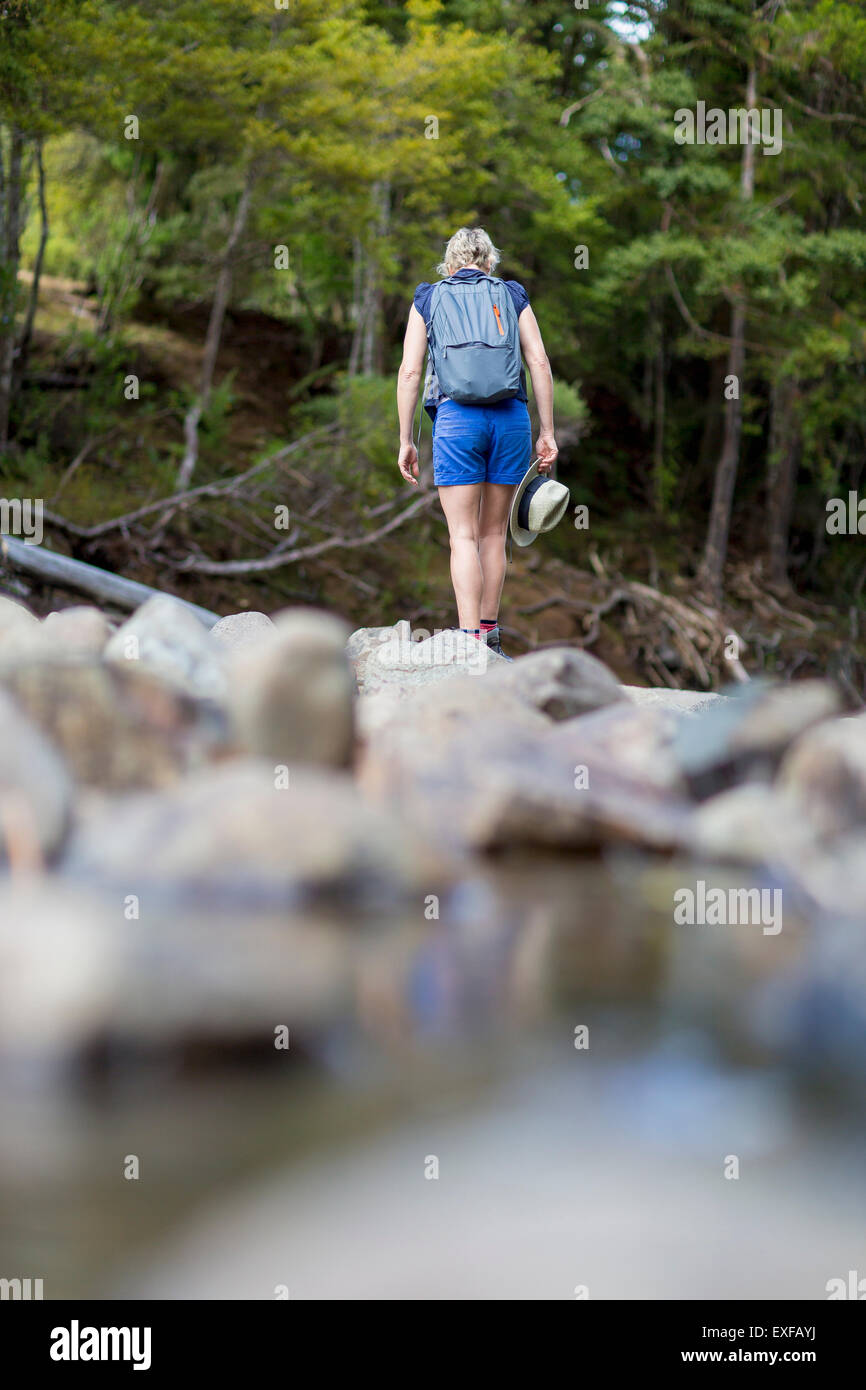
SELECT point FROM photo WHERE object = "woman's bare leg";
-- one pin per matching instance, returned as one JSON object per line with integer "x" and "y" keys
{"x": 461, "y": 506}
{"x": 493, "y": 526}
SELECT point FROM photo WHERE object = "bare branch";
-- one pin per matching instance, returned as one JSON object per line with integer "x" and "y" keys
{"x": 279, "y": 557}
{"x": 180, "y": 500}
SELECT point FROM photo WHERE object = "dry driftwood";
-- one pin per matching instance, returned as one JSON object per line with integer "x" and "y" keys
{"x": 99, "y": 584}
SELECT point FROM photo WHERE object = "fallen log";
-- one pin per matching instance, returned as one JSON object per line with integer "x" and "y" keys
{"x": 96, "y": 583}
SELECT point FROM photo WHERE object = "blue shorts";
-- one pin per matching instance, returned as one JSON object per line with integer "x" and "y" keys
{"x": 481, "y": 443}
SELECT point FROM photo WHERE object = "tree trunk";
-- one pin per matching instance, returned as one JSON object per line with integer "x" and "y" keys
{"x": 10, "y": 251}
{"x": 367, "y": 351}
{"x": 357, "y": 314}
{"x": 50, "y": 568}
{"x": 27, "y": 334}
{"x": 659, "y": 424}
{"x": 214, "y": 333}
{"x": 711, "y": 572}
{"x": 782, "y": 463}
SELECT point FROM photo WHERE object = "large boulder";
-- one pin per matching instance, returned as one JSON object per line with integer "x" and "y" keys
{"x": 366, "y": 642}
{"x": 562, "y": 682}
{"x": 165, "y": 637}
{"x": 746, "y": 735}
{"x": 473, "y": 763}
{"x": 117, "y": 726}
{"x": 292, "y": 693}
{"x": 35, "y": 791}
{"x": 634, "y": 741}
{"x": 393, "y": 661}
{"x": 443, "y": 704}
{"x": 237, "y": 631}
{"x": 244, "y": 831}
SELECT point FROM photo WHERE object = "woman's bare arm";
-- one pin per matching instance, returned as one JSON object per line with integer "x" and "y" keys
{"x": 408, "y": 385}
{"x": 536, "y": 359}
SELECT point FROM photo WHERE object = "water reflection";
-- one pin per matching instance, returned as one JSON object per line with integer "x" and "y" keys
{"x": 416, "y": 1035}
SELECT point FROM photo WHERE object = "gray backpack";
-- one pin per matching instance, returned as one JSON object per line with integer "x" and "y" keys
{"x": 474, "y": 340}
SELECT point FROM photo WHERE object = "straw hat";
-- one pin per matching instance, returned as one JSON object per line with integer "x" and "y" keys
{"x": 538, "y": 505}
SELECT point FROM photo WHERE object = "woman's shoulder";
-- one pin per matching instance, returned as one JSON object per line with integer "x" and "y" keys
{"x": 518, "y": 293}
{"x": 421, "y": 298}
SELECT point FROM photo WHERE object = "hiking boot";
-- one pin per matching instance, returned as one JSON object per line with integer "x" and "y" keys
{"x": 494, "y": 644}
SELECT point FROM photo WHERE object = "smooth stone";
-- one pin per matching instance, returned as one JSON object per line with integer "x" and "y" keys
{"x": 752, "y": 824}
{"x": 483, "y": 770}
{"x": 14, "y": 616}
{"x": 35, "y": 791}
{"x": 292, "y": 693}
{"x": 79, "y": 629}
{"x": 373, "y": 712}
{"x": 826, "y": 771}
{"x": 678, "y": 701}
{"x": 21, "y": 634}
{"x": 242, "y": 827}
{"x": 237, "y": 631}
{"x": 634, "y": 740}
{"x": 745, "y": 735}
{"x": 85, "y": 971}
{"x": 57, "y": 969}
{"x": 834, "y": 876}
{"x": 562, "y": 682}
{"x": 166, "y": 638}
{"x": 117, "y": 726}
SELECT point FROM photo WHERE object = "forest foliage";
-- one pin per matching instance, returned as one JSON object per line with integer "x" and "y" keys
{"x": 298, "y": 167}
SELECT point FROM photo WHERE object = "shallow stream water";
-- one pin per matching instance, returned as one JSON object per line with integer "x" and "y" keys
{"x": 549, "y": 1090}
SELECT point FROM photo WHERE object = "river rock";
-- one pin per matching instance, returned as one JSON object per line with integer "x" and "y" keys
{"x": 79, "y": 629}
{"x": 395, "y": 662}
{"x": 834, "y": 876}
{"x": 292, "y": 692}
{"x": 634, "y": 740}
{"x": 562, "y": 682}
{"x": 35, "y": 791}
{"x": 14, "y": 617}
{"x": 746, "y": 735}
{"x": 826, "y": 772}
{"x": 77, "y": 972}
{"x": 57, "y": 970}
{"x": 236, "y": 631}
{"x": 244, "y": 831}
{"x": 365, "y": 642}
{"x": 20, "y": 632}
{"x": 752, "y": 824}
{"x": 373, "y": 712}
{"x": 677, "y": 701}
{"x": 117, "y": 726}
{"x": 483, "y": 771}
{"x": 165, "y": 637}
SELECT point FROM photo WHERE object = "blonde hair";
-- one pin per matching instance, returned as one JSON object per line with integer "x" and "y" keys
{"x": 469, "y": 246}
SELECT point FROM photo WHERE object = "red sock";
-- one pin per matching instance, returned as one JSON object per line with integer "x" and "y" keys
{"x": 487, "y": 625}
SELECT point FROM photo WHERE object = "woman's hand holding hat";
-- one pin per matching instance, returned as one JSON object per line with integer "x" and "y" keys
{"x": 407, "y": 462}
{"x": 547, "y": 451}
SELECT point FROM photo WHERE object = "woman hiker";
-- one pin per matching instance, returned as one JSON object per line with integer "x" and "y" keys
{"x": 476, "y": 327}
